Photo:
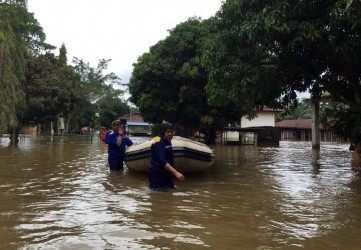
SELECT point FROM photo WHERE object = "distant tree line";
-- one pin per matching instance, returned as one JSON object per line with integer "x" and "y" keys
{"x": 204, "y": 74}
{"x": 253, "y": 54}
{"x": 37, "y": 87}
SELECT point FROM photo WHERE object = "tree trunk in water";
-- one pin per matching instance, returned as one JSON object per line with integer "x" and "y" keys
{"x": 211, "y": 136}
{"x": 67, "y": 126}
{"x": 356, "y": 156}
{"x": 315, "y": 110}
{"x": 58, "y": 125}
{"x": 51, "y": 129}
{"x": 14, "y": 136}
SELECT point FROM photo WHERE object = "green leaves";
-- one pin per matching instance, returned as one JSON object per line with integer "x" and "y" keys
{"x": 265, "y": 51}
{"x": 111, "y": 106}
{"x": 94, "y": 84}
{"x": 48, "y": 88}
{"x": 168, "y": 82}
{"x": 12, "y": 67}
{"x": 37, "y": 86}
{"x": 21, "y": 36}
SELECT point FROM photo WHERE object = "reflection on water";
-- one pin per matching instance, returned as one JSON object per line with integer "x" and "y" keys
{"x": 61, "y": 195}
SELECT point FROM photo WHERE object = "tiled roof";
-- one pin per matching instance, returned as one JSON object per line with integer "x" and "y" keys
{"x": 133, "y": 117}
{"x": 267, "y": 109}
{"x": 300, "y": 123}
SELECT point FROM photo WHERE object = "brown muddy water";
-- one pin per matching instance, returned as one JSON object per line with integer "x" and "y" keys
{"x": 61, "y": 195}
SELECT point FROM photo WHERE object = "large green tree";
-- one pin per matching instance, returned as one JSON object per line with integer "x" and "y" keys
{"x": 48, "y": 88}
{"x": 94, "y": 82}
{"x": 92, "y": 85}
{"x": 300, "y": 111}
{"x": 168, "y": 82}
{"x": 12, "y": 64}
{"x": 266, "y": 51}
{"x": 166, "y": 78}
{"x": 20, "y": 36}
{"x": 111, "y": 106}
{"x": 63, "y": 57}
{"x": 344, "y": 73}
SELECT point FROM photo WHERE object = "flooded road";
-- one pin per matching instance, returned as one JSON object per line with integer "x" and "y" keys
{"x": 62, "y": 196}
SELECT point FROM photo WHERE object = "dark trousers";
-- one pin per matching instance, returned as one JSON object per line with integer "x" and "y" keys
{"x": 160, "y": 179}
{"x": 115, "y": 164}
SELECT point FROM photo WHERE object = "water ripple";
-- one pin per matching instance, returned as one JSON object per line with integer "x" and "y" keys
{"x": 62, "y": 196}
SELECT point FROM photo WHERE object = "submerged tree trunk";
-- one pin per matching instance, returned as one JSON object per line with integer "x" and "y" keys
{"x": 315, "y": 110}
{"x": 356, "y": 156}
{"x": 14, "y": 136}
{"x": 211, "y": 136}
{"x": 51, "y": 128}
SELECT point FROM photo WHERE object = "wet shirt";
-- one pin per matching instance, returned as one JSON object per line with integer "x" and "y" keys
{"x": 162, "y": 153}
{"x": 113, "y": 149}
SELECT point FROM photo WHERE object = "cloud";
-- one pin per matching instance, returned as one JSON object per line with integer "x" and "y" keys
{"x": 120, "y": 30}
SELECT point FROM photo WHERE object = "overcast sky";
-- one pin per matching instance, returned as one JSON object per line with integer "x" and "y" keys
{"x": 120, "y": 30}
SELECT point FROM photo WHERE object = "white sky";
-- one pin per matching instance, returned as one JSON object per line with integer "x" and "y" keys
{"x": 120, "y": 30}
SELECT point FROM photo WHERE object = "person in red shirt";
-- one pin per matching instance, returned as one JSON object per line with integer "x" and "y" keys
{"x": 102, "y": 134}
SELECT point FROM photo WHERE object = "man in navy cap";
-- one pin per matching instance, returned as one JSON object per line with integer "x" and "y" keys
{"x": 117, "y": 143}
{"x": 161, "y": 168}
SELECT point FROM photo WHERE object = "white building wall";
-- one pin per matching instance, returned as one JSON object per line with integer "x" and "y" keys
{"x": 262, "y": 119}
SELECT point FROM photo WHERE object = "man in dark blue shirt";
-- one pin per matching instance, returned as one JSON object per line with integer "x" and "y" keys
{"x": 117, "y": 143}
{"x": 161, "y": 168}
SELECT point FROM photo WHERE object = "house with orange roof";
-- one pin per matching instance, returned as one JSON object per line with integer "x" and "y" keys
{"x": 301, "y": 130}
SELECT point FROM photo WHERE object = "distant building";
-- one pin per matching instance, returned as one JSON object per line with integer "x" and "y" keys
{"x": 259, "y": 131}
{"x": 301, "y": 130}
{"x": 136, "y": 125}
{"x": 132, "y": 117}
{"x": 28, "y": 129}
{"x": 265, "y": 117}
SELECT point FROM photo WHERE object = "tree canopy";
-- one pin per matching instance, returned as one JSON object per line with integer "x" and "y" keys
{"x": 48, "y": 88}
{"x": 205, "y": 73}
{"x": 300, "y": 111}
{"x": 168, "y": 82}
{"x": 20, "y": 35}
{"x": 170, "y": 75}
{"x": 266, "y": 51}
{"x": 111, "y": 106}
{"x": 36, "y": 85}
{"x": 94, "y": 82}
{"x": 93, "y": 87}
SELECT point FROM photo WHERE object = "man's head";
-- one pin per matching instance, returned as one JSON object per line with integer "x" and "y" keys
{"x": 166, "y": 131}
{"x": 116, "y": 124}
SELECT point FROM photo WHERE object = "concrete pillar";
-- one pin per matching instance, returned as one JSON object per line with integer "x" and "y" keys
{"x": 315, "y": 111}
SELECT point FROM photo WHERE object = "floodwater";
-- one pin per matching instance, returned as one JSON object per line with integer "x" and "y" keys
{"x": 61, "y": 195}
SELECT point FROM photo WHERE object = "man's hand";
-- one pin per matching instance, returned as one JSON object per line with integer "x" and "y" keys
{"x": 176, "y": 174}
{"x": 121, "y": 130}
{"x": 179, "y": 176}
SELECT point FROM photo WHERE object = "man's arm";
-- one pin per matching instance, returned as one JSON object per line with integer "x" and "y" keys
{"x": 171, "y": 169}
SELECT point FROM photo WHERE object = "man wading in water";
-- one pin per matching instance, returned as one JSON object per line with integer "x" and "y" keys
{"x": 117, "y": 143}
{"x": 161, "y": 168}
